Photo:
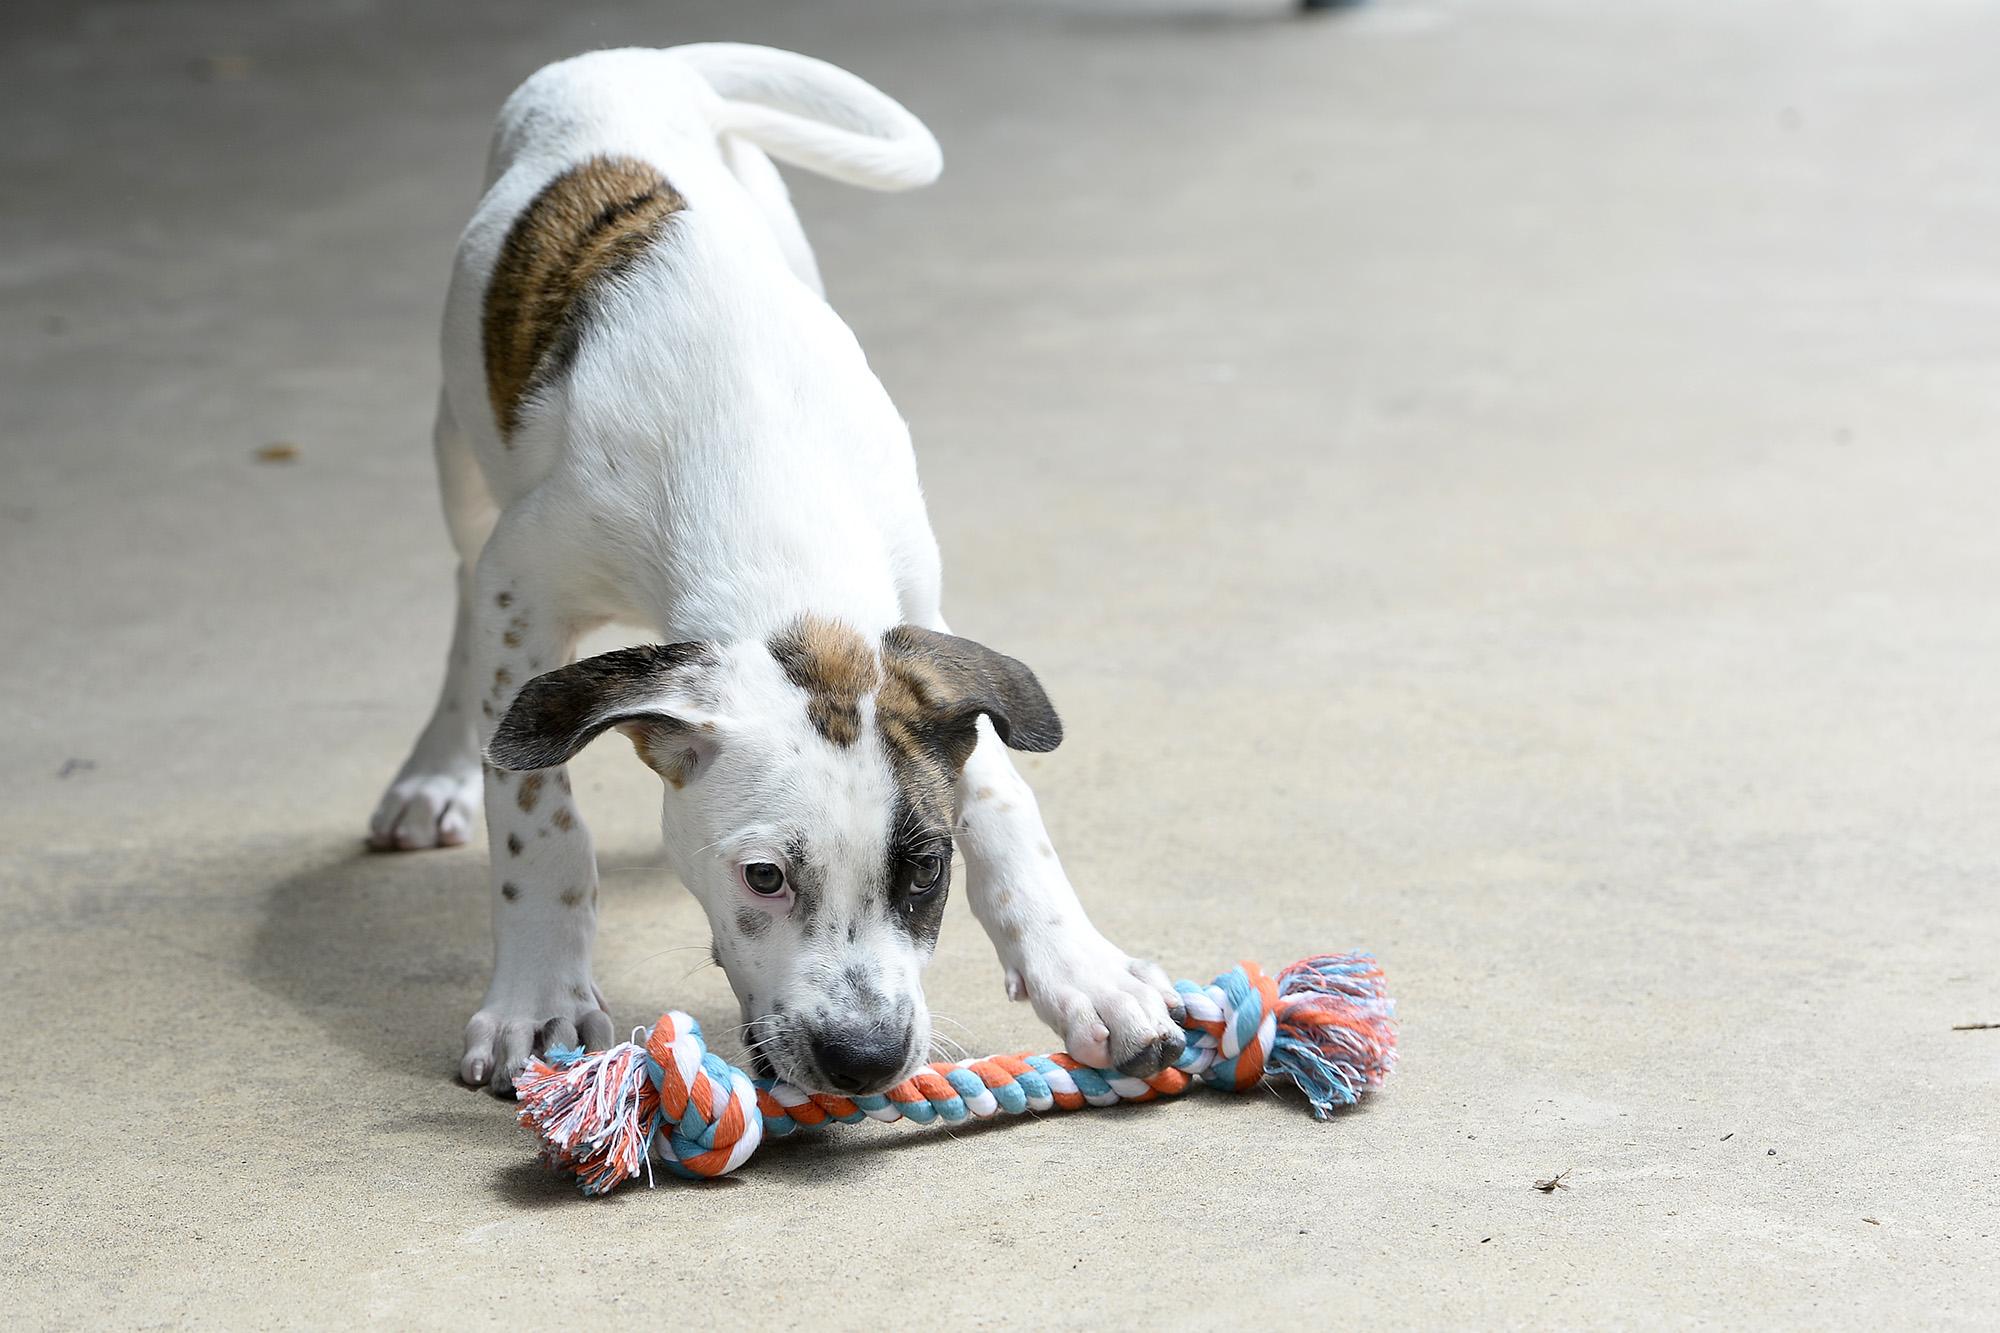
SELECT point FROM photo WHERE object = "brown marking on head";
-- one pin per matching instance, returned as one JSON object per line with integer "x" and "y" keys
{"x": 579, "y": 234}
{"x": 510, "y": 891}
{"x": 531, "y": 792}
{"x": 563, "y": 819}
{"x": 935, "y": 688}
{"x": 835, "y": 667}
{"x": 572, "y": 897}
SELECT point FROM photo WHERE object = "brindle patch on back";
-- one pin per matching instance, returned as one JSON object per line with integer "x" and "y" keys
{"x": 584, "y": 228}
{"x": 835, "y": 667}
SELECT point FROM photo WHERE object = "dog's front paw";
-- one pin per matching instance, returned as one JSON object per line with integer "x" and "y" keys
{"x": 511, "y": 1027}
{"x": 426, "y": 810}
{"x": 1111, "y": 1010}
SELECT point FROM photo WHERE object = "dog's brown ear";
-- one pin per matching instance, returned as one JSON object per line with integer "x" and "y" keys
{"x": 939, "y": 685}
{"x": 561, "y": 711}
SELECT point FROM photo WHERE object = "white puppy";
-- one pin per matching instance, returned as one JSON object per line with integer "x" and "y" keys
{"x": 650, "y": 415}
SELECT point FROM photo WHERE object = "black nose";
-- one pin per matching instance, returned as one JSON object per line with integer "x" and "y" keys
{"x": 856, "y": 1062}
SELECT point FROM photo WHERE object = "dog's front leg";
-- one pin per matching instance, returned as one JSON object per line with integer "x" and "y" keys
{"x": 544, "y": 869}
{"x": 1112, "y": 1010}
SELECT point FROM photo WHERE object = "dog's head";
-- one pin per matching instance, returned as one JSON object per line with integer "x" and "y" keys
{"x": 809, "y": 806}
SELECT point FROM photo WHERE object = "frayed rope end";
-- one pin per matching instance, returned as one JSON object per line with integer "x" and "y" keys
{"x": 592, "y": 1113}
{"x": 1336, "y": 1034}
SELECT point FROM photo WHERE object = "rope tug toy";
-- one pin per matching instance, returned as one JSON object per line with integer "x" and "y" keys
{"x": 604, "y": 1117}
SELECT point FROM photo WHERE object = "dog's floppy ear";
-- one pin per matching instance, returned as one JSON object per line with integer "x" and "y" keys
{"x": 645, "y": 692}
{"x": 939, "y": 685}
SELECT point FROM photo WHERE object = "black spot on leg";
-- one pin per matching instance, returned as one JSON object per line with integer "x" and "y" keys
{"x": 514, "y": 844}
{"x": 503, "y": 600}
{"x": 510, "y": 891}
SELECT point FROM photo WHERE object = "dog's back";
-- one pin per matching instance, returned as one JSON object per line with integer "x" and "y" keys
{"x": 592, "y": 160}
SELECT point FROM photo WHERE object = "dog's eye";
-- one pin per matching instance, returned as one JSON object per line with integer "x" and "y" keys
{"x": 925, "y": 872}
{"x": 762, "y": 877}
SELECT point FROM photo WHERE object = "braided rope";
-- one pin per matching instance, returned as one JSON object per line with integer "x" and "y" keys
{"x": 605, "y": 1117}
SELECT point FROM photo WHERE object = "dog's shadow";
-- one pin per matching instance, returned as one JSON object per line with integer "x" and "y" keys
{"x": 389, "y": 953}
{"x": 380, "y": 951}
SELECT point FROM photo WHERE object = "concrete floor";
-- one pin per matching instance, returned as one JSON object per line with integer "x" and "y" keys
{"x": 1508, "y": 484}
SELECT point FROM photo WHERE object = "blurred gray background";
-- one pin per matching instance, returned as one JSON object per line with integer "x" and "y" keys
{"x": 1507, "y": 484}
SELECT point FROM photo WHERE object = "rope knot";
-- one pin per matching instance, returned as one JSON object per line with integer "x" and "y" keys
{"x": 708, "y": 1122}
{"x": 1325, "y": 1022}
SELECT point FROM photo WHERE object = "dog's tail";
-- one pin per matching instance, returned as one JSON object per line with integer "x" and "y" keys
{"x": 815, "y": 115}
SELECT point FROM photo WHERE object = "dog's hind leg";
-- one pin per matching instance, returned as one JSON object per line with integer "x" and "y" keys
{"x": 434, "y": 799}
